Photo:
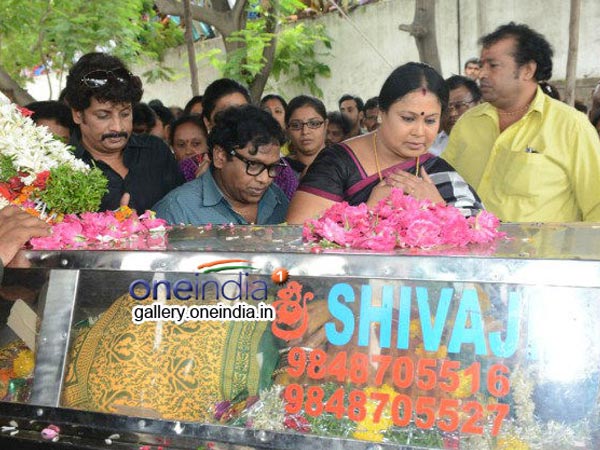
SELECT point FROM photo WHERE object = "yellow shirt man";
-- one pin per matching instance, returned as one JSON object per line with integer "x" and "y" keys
{"x": 543, "y": 168}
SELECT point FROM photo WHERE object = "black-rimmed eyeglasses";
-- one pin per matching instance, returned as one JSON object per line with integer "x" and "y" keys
{"x": 255, "y": 168}
{"x": 458, "y": 106}
{"x": 100, "y": 77}
{"x": 313, "y": 124}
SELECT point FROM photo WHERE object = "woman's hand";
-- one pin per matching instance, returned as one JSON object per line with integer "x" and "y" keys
{"x": 381, "y": 190}
{"x": 203, "y": 164}
{"x": 420, "y": 188}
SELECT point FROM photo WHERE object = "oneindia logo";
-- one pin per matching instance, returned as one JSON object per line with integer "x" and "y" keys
{"x": 236, "y": 287}
{"x": 233, "y": 297}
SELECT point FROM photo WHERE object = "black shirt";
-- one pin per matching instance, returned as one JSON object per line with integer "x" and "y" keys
{"x": 153, "y": 173}
{"x": 297, "y": 166}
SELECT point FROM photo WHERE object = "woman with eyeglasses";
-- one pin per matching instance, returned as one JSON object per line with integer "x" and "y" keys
{"x": 306, "y": 122}
{"x": 365, "y": 169}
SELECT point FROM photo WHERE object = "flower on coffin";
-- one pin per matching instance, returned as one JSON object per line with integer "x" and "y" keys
{"x": 40, "y": 173}
{"x": 110, "y": 229}
{"x": 399, "y": 221}
{"x": 371, "y": 428}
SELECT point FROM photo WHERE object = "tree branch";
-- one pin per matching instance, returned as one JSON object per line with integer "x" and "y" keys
{"x": 189, "y": 43}
{"x": 12, "y": 90}
{"x": 423, "y": 30}
{"x": 414, "y": 30}
{"x": 238, "y": 13}
{"x": 260, "y": 80}
{"x": 222, "y": 21}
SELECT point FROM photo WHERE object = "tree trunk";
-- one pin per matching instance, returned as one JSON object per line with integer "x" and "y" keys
{"x": 423, "y": 30}
{"x": 191, "y": 51}
{"x": 225, "y": 21}
{"x": 571, "y": 81}
{"x": 12, "y": 90}
{"x": 257, "y": 86}
{"x": 220, "y": 5}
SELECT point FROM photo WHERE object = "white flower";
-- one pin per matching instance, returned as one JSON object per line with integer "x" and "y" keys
{"x": 33, "y": 148}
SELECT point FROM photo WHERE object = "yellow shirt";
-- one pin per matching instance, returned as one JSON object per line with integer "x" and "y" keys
{"x": 543, "y": 168}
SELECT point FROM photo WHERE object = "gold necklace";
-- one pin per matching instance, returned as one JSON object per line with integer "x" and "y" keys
{"x": 377, "y": 156}
{"x": 377, "y": 159}
{"x": 512, "y": 113}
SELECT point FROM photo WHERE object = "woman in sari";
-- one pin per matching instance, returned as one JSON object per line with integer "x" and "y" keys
{"x": 366, "y": 168}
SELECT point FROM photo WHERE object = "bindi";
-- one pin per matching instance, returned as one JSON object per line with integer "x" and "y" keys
{"x": 422, "y": 113}
{"x": 424, "y": 92}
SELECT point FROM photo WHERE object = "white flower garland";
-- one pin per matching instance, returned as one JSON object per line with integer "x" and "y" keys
{"x": 33, "y": 148}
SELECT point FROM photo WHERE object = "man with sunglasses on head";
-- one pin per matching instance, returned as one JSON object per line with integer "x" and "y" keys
{"x": 238, "y": 188}
{"x": 140, "y": 168}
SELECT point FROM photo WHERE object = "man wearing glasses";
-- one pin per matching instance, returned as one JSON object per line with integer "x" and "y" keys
{"x": 238, "y": 188}
{"x": 463, "y": 95}
{"x": 140, "y": 169}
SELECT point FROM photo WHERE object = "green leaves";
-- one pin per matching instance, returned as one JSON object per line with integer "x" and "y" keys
{"x": 300, "y": 48}
{"x": 7, "y": 170}
{"x": 298, "y": 55}
{"x": 56, "y": 32}
{"x": 74, "y": 191}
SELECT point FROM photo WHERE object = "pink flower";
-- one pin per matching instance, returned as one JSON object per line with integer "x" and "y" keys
{"x": 332, "y": 231}
{"x": 384, "y": 241}
{"x": 104, "y": 231}
{"x": 484, "y": 227}
{"x": 46, "y": 243}
{"x": 399, "y": 221}
{"x": 423, "y": 233}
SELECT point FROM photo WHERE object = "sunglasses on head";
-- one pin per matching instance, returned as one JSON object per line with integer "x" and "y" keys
{"x": 100, "y": 77}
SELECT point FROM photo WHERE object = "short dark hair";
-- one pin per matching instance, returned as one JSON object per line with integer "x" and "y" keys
{"x": 549, "y": 90}
{"x": 359, "y": 102}
{"x": 580, "y": 106}
{"x": 530, "y": 46}
{"x": 408, "y": 78}
{"x": 79, "y": 95}
{"x": 236, "y": 126}
{"x": 279, "y": 98}
{"x": 193, "y": 119}
{"x": 372, "y": 103}
{"x": 337, "y": 118}
{"x": 52, "y": 110}
{"x": 456, "y": 81}
{"x": 144, "y": 116}
{"x": 164, "y": 114}
{"x": 219, "y": 89}
{"x": 305, "y": 100}
{"x": 187, "y": 110}
{"x": 472, "y": 61}
{"x": 595, "y": 117}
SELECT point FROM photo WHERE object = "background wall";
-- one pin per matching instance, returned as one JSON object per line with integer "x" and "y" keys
{"x": 357, "y": 69}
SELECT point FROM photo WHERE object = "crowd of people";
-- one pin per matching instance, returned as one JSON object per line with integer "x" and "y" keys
{"x": 496, "y": 137}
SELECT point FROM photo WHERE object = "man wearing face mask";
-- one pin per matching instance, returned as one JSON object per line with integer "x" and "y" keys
{"x": 140, "y": 169}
